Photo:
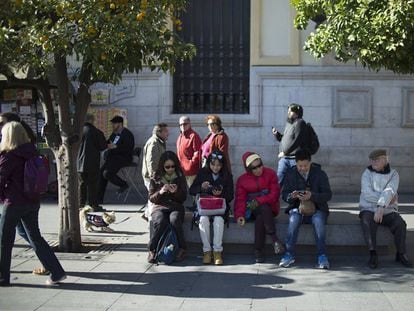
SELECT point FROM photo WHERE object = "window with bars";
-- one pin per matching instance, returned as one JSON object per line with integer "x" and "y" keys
{"x": 216, "y": 80}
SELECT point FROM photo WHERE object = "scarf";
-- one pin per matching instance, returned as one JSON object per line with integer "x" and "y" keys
{"x": 168, "y": 179}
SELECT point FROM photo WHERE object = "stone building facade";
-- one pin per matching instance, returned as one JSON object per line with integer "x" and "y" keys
{"x": 353, "y": 110}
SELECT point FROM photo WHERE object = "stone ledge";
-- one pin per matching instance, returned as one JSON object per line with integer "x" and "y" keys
{"x": 343, "y": 229}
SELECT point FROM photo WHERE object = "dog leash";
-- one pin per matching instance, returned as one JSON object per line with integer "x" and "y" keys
{"x": 125, "y": 219}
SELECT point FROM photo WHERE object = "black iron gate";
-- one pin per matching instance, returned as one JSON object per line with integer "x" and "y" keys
{"x": 217, "y": 79}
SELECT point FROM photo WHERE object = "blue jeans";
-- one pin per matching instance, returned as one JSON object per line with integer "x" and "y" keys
{"x": 28, "y": 214}
{"x": 318, "y": 221}
{"x": 22, "y": 232}
{"x": 283, "y": 165}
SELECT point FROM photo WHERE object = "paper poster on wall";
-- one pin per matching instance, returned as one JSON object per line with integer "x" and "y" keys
{"x": 8, "y": 106}
{"x": 100, "y": 96}
{"x": 103, "y": 118}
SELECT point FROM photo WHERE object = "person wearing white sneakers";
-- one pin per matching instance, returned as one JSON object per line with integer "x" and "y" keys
{"x": 214, "y": 180}
{"x": 307, "y": 191}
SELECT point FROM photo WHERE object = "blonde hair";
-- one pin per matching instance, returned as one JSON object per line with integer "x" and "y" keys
{"x": 13, "y": 135}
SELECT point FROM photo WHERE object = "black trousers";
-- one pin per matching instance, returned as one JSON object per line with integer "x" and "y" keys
{"x": 393, "y": 221}
{"x": 264, "y": 224}
{"x": 108, "y": 172}
{"x": 161, "y": 217}
{"x": 88, "y": 188}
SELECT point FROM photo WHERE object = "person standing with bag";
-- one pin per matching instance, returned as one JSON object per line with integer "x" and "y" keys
{"x": 307, "y": 191}
{"x": 214, "y": 179}
{"x": 15, "y": 150}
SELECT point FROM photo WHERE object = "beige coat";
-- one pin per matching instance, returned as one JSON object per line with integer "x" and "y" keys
{"x": 153, "y": 149}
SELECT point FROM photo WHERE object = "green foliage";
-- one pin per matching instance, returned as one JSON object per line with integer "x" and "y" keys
{"x": 376, "y": 33}
{"x": 108, "y": 37}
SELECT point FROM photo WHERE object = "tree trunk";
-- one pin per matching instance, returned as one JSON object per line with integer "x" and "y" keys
{"x": 69, "y": 232}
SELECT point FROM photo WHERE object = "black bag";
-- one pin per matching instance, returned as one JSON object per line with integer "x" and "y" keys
{"x": 167, "y": 247}
{"x": 312, "y": 139}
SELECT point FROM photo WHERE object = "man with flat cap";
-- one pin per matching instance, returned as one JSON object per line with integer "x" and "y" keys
{"x": 119, "y": 154}
{"x": 379, "y": 206}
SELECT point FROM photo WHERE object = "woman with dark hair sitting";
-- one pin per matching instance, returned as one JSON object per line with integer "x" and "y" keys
{"x": 167, "y": 192}
{"x": 257, "y": 196}
{"x": 214, "y": 179}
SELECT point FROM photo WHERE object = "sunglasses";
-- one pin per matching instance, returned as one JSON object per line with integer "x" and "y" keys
{"x": 256, "y": 167}
{"x": 167, "y": 167}
{"x": 216, "y": 156}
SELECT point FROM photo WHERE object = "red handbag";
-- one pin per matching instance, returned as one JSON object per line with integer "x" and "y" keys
{"x": 210, "y": 205}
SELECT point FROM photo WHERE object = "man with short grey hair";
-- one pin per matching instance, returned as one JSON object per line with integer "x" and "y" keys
{"x": 188, "y": 150}
{"x": 379, "y": 206}
{"x": 154, "y": 147}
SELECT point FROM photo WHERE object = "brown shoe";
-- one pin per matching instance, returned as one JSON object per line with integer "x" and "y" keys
{"x": 217, "y": 258}
{"x": 180, "y": 255}
{"x": 207, "y": 258}
{"x": 151, "y": 257}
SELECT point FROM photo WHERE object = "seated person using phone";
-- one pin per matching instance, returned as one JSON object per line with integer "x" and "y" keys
{"x": 307, "y": 191}
{"x": 167, "y": 193}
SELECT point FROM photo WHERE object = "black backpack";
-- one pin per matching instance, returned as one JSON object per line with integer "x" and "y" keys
{"x": 167, "y": 247}
{"x": 312, "y": 140}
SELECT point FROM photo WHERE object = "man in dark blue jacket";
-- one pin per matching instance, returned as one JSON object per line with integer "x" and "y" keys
{"x": 307, "y": 191}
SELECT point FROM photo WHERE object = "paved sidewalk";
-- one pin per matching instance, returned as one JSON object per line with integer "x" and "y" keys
{"x": 116, "y": 276}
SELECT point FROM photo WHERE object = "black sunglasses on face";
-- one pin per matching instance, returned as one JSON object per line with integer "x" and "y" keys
{"x": 167, "y": 167}
{"x": 256, "y": 167}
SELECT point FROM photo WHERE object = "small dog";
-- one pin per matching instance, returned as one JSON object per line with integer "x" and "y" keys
{"x": 90, "y": 220}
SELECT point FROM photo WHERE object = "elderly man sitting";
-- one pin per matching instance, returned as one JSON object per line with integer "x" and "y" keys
{"x": 379, "y": 206}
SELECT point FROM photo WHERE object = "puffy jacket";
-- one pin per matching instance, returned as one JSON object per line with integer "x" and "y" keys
{"x": 12, "y": 174}
{"x": 189, "y": 152}
{"x": 379, "y": 189}
{"x": 249, "y": 183}
{"x": 318, "y": 183}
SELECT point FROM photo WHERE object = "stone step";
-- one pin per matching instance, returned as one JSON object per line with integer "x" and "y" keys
{"x": 343, "y": 229}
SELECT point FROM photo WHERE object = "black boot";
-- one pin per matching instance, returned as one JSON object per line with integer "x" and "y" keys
{"x": 403, "y": 259}
{"x": 373, "y": 260}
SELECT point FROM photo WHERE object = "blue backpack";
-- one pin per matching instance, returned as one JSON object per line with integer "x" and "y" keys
{"x": 36, "y": 175}
{"x": 167, "y": 247}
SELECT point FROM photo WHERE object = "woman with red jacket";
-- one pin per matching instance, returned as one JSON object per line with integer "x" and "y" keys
{"x": 257, "y": 196}
{"x": 217, "y": 139}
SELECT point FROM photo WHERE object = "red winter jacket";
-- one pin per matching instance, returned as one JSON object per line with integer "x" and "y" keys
{"x": 249, "y": 183}
{"x": 189, "y": 152}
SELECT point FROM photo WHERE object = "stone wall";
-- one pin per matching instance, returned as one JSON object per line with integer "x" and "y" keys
{"x": 351, "y": 109}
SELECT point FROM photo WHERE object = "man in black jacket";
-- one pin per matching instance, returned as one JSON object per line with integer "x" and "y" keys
{"x": 119, "y": 154}
{"x": 89, "y": 159}
{"x": 306, "y": 186}
{"x": 293, "y": 138}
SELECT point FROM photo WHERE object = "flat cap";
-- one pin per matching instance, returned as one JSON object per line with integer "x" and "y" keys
{"x": 377, "y": 153}
{"x": 117, "y": 119}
